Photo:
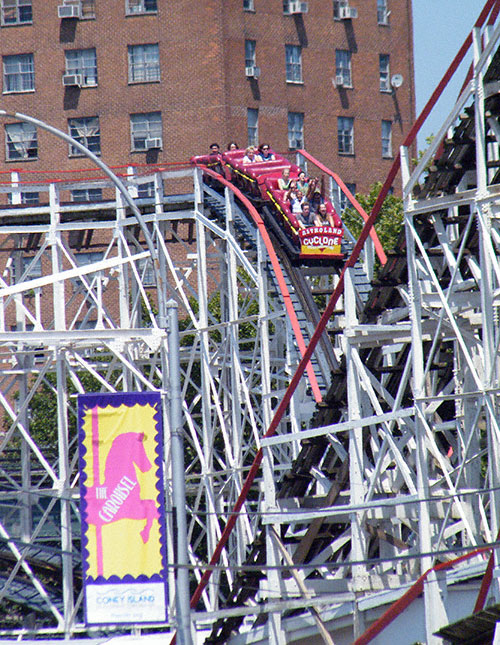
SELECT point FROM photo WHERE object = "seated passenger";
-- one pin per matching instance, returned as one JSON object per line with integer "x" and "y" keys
{"x": 315, "y": 199}
{"x": 251, "y": 156}
{"x": 296, "y": 201}
{"x": 323, "y": 217}
{"x": 305, "y": 218}
{"x": 232, "y": 145}
{"x": 303, "y": 182}
{"x": 284, "y": 180}
{"x": 265, "y": 155}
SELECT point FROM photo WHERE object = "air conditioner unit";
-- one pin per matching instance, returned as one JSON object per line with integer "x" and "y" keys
{"x": 347, "y": 13}
{"x": 252, "y": 71}
{"x": 339, "y": 80}
{"x": 153, "y": 143}
{"x": 69, "y": 11}
{"x": 294, "y": 6}
{"x": 72, "y": 80}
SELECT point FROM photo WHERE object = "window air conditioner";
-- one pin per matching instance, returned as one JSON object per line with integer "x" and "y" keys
{"x": 69, "y": 11}
{"x": 252, "y": 71}
{"x": 347, "y": 13}
{"x": 339, "y": 80}
{"x": 296, "y": 7}
{"x": 153, "y": 143}
{"x": 72, "y": 80}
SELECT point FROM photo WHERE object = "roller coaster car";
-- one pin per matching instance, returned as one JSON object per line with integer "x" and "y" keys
{"x": 259, "y": 180}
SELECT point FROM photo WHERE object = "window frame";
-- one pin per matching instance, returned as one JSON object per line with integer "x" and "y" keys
{"x": 337, "y": 6}
{"x": 16, "y": 8}
{"x": 345, "y": 135}
{"x": 382, "y": 13}
{"x": 293, "y": 68}
{"x": 253, "y": 126}
{"x": 250, "y": 52}
{"x": 92, "y": 195}
{"x": 295, "y": 125}
{"x": 142, "y": 66}
{"x": 10, "y": 147}
{"x": 344, "y": 70}
{"x": 152, "y": 126}
{"x": 89, "y": 140}
{"x": 81, "y": 61}
{"x": 141, "y": 7}
{"x": 386, "y": 139}
{"x": 249, "y": 5}
{"x": 20, "y": 75}
{"x": 384, "y": 71}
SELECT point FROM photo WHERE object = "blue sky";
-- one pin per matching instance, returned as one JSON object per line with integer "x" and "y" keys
{"x": 440, "y": 27}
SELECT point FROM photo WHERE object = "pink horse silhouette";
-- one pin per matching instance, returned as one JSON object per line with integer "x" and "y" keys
{"x": 118, "y": 497}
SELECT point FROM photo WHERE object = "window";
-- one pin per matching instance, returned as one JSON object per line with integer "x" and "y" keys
{"x": 84, "y": 259}
{"x": 86, "y": 131}
{"x": 249, "y": 53}
{"x": 84, "y": 62}
{"x": 382, "y": 13}
{"x": 87, "y": 9}
{"x": 140, "y": 6}
{"x": 21, "y": 141}
{"x": 31, "y": 269}
{"x": 344, "y": 202}
{"x": 384, "y": 72}
{"x": 26, "y": 198}
{"x": 16, "y": 12}
{"x": 145, "y": 129}
{"x": 253, "y": 126}
{"x": 295, "y": 130}
{"x": 146, "y": 272}
{"x": 248, "y": 5}
{"x": 18, "y": 73}
{"x": 293, "y": 55}
{"x": 343, "y": 75}
{"x": 345, "y": 132}
{"x": 337, "y": 6}
{"x": 146, "y": 190}
{"x": 386, "y": 139}
{"x": 86, "y": 195}
{"x": 143, "y": 63}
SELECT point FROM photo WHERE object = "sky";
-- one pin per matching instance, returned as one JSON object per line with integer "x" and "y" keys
{"x": 439, "y": 30}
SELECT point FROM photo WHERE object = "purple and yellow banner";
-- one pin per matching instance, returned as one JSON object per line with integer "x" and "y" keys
{"x": 122, "y": 507}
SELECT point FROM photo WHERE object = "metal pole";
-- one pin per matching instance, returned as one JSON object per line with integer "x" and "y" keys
{"x": 178, "y": 482}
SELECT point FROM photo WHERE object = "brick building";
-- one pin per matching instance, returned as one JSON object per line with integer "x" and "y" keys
{"x": 146, "y": 81}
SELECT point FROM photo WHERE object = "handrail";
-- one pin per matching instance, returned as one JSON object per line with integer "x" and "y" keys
{"x": 357, "y": 206}
{"x": 409, "y": 596}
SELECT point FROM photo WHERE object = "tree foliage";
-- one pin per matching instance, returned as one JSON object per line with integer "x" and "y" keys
{"x": 389, "y": 221}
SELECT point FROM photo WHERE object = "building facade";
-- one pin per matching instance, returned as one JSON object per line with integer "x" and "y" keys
{"x": 150, "y": 81}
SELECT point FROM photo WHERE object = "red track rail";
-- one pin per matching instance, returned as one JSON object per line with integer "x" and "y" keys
{"x": 379, "y": 249}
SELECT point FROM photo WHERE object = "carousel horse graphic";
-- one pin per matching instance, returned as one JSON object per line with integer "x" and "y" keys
{"x": 119, "y": 495}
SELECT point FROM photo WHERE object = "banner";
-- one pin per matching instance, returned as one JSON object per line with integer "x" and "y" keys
{"x": 122, "y": 507}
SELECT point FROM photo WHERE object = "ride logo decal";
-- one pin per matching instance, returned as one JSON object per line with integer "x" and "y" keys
{"x": 320, "y": 239}
{"x": 122, "y": 507}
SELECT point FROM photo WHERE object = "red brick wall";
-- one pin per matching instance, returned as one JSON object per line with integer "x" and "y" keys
{"x": 204, "y": 94}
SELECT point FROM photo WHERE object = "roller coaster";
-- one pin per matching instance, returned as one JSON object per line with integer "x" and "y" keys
{"x": 341, "y": 427}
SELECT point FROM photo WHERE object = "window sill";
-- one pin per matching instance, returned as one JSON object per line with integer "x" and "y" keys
{"x": 144, "y": 82}
{"x": 388, "y": 91}
{"x": 21, "y": 160}
{"x": 18, "y": 24}
{"x": 294, "y": 82}
{"x": 132, "y": 14}
{"x": 6, "y": 93}
{"x": 345, "y": 154}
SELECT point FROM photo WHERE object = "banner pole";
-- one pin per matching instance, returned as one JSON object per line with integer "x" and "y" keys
{"x": 182, "y": 596}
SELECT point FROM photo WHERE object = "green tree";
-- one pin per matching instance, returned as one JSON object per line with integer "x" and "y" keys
{"x": 389, "y": 221}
